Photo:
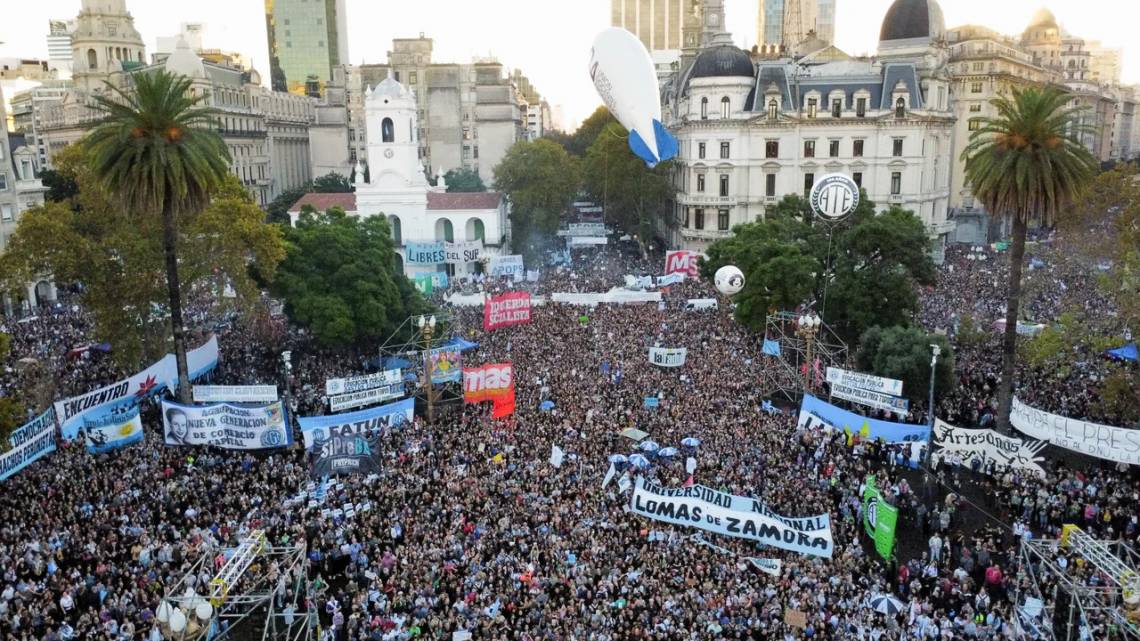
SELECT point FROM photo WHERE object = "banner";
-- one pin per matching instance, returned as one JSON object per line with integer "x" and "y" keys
{"x": 670, "y": 279}
{"x": 771, "y": 347}
{"x": 230, "y": 427}
{"x": 468, "y": 251}
{"x": 707, "y": 509}
{"x": 347, "y": 454}
{"x": 365, "y": 397}
{"x": 235, "y": 393}
{"x": 362, "y": 422}
{"x": 638, "y": 282}
{"x": 614, "y": 296}
{"x": 119, "y": 428}
{"x": 697, "y": 304}
{"x": 488, "y": 382}
{"x": 430, "y": 253}
{"x": 987, "y": 445}
{"x": 651, "y": 402}
{"x": 668, "y": 356}
{"x": 682, "y": 261}
{"x": 352, "y": 384}
{"x": 424, "y": 283}
{"x": 818, "y": 414}
{"x": 199, "y": 361}
{"x": 507, "y": 265}
{"x": 864, "y": 381}
{"x": 445, "y": 364}
{"x": 586, "y": 229}
{"x": 879, "y": 518}
{"x": 511, "y": 308}
{"x": 28, "y": 443}
{"x": 1118, "y": 444}
{"x": 868, "y": 398}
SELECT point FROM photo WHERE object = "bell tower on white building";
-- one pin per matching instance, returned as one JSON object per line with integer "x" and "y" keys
{"x": 393, "y": 137}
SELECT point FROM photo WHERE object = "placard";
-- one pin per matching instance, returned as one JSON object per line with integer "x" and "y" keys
{"x": 368, "y": 421}
{"x": 987, "y": 445}
{"x": 511, "y": 308}
{"x": 507, "y": 265}
{"x": 372, "y": 396}
{"x": 235, "y": 393}
{"x": 863, "y": 381}
{"x": 352, "y": 384}
{"x": 868, "y": 398}
{"x": 230, "y": 427}
{"x": 1118, "y": 444}
{"x": 668, "y": 356}
{"x": 28, "y": 443}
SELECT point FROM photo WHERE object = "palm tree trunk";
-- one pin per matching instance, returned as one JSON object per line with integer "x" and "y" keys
{"x": 1009, "y": 342}
{"x": 170, "y": 250}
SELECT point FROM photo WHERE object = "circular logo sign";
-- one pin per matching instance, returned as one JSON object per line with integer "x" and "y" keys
{"x": 272, "y": 438}
{"x": 834, "y": 196}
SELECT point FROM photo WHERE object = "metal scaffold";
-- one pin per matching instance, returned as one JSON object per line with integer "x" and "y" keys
{"x": 798, "y": 355}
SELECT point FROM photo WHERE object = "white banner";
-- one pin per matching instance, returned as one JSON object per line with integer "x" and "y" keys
{"x": 869, "y": 398}
{"x": 365, "y": 397}
{"x": 668, "y": 356}
{"x": 864, "y": 381}
{"x": 1118, "y": 444}
{"x": 235, "y": 393}
{"x": 360, "y": 383}
{"x": 618, "y": 296}
{"x": 987, "y": 445}
{"x": 231, "y": 427}
{"x": 507, "y": 265}
{"x": 638, "y": 282}
{"x": 465, "y": 252}
{"x": 707, "y": 509}
{"x": 701, "y": 303}
{"x": 670, "y": 279}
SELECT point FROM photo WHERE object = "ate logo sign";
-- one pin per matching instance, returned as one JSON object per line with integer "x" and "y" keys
{"x": 682, "y": 261}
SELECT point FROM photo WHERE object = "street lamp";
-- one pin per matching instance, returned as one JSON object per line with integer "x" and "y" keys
{"x": 935, "y": 350}
{"x": 287, "y": 368}
{"x": 807, "y": 326}
{"x": 427, "y": 326}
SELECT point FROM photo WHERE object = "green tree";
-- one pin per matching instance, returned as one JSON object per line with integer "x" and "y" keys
{"x": 332, "y": 183}
{"x": 339, "y": 279}
{"x": 11, "y": 411}
{"x": 578, "y": 143}
{"x": 158, "y": 154}
{"x": 634, "y": 195}
{"x": 60, "y": 186}
{"x": 1026, "y": 164}
{"x": 277, "y": 211}
{"x": 540, "y": 179}
{"x": 464, "y": 180}
{"x": 904, "y": 353}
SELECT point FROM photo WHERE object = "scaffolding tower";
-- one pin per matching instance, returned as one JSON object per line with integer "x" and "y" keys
{"x": 411, "y": 343}
{"x": 788, "y": 373}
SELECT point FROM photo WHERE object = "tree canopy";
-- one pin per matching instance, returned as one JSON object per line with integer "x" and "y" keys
{"x": 464, "y": 180}
{"x": 332, "y": 183}
{"x": 541, "y": 180}
{"x": 578, "y": 143}
{"x": 904, "y": 353}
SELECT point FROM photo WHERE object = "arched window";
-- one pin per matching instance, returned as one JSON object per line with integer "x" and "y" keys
{"x": 397, "y": 231}
{"x": 704, "y": 108}
{"x": 773, "y": 108}
{"x": 900, "y": 108}
{"x": 444, "y": 230}
{"x": 724, "y": 107}
{"x": 475, "y": 229}
{"x": 387, "y": 131}
{"x": 92, "y": 62}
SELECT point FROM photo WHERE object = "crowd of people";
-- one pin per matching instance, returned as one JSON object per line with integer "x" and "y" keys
{"x": 472, "y": 528}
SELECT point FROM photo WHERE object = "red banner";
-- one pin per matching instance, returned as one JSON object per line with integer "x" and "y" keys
{"x": 682, "y": 261}
{"x": 489, "y": 383}
{"x": 512, "y": 308}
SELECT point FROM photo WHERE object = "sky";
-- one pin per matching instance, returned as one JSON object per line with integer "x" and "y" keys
{"x": 548, "y": 39}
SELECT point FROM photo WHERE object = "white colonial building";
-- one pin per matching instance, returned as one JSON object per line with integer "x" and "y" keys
{"x": 398, "y": 189}
{"x": 751, "y": 133}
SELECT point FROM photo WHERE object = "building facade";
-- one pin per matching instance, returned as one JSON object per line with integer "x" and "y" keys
{"x": 59, "y": 46}
{"x": 750, "y": 133}
{"x": 657, "y": 23}
{"x": 787, "y": 23}
{"x": 307, "y": 40}
{"x": 28, "y": 109}
{"x": 20, "y": 190}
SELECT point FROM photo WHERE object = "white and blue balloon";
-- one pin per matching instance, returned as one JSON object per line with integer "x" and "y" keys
{"x": 729, "y": 280}
{"x": 625, "y": 79}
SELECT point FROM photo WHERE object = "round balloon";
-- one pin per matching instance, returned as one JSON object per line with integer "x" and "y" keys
{"x": 177, "y": 621}
{"x": 204, "y": 610}
{"x": 729, "y": 280}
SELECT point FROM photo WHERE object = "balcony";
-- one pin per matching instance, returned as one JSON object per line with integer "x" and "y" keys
{"x": 235, "y": 133}
{"x": 705, "y": 200}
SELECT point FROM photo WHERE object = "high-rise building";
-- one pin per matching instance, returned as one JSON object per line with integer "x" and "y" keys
{"x": 657, "y": 23}
{"x": 825, "y": 21}
{"x": 104, "y": 42}
{"x": 59, "y": 45}
{"x": 770, "y": 30}
{"x": 307, "y": 39}
{"x": 791, "y": 22}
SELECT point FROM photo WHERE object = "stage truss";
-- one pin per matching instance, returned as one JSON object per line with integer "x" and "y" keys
{"x": 783, "y": 375}
{"x": 408, "y": 343}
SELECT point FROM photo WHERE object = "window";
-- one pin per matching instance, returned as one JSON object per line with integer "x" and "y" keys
{"x": 5, "y": 212}
{"x": 975, "y": 108}
{"x": 836, "y": 108}
{"x": 896, "y": 183}
{"x": 387, "y": 131}
{"x": 772, "y": 149}
{"x": 724, "y": 185}
{"x": 700, "y": 182}
{"x": 833, "y": 149}
{"x": 412, "y": 77}
{"x": 773, "y": 109}
{"x": 979, "y": 66}
{"x": 704, "y": 108}
{"x": 92, "y": 60}
{"x": 812, "y": 107}
{"x": 701, "y": 150}
{"x": 686, "y": 223}
{"x": 857, "y": 149}
{"x": 897, "y": 149}
{"x": 722, "y": 219}
{"x": 861, "y": 107}
{"x": 975, "y": 87}
{"x": 858, "y": 178}
{"x": 724, "y": 150}
{"x": 698, "y": 218}
{"x": 809, "y": 149}
{"x": 3, "y": 181}
{"x": 770, "y": 185}
{"x": 724, "y": 107}
{"x": 900, "y": 107}
{"x": 974, "y": 124}
{"x": 809, "y": 181}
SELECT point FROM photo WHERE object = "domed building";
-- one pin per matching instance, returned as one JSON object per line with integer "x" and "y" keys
{"x": 753, "y": 131}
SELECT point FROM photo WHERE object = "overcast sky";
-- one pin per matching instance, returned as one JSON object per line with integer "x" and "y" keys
{"x": 548, "y": 39}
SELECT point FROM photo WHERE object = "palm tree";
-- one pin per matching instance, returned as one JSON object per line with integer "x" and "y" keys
{"x": 157, "y": 152}
{"x": 1025, "y": 165}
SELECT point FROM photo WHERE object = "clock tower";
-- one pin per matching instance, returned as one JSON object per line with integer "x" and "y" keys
{"x": 393, "y": 137}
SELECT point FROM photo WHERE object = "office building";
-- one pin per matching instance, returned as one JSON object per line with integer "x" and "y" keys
{"x": 307, "y": 40}
{"x": 657, "y": 23}
{"x": 59, "y": 46}
{"x": 789, "y": 23}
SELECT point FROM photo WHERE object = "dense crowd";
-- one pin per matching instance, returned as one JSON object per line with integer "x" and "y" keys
{"x": 472, "y": 528}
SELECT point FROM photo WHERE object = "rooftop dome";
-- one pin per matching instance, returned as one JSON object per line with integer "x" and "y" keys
{"x": 185, "y": 62}
{"x": 721, "y": 61}
{"x": 390, "y": 88}
{"x": 909, "y": 19}
{"x": 1043, "y": 18}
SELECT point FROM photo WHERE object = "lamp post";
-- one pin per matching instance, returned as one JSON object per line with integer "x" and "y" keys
{"x": 427, "y": 326}
{"x": 287, "y": 368}
{"x": 935, "y": 351}
{"x": 807, "y": 326}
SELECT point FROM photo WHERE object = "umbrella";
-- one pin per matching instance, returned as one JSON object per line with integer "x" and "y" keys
{"x": 619, "y": 458}
{"x": 546, "y": 406}
{"x": 691, "y": 441}
{"x": 667, "y": 451}
{"x": 885, "y": 604}
{"x": 649, "y": 446}
{"x": 639, "y": 461}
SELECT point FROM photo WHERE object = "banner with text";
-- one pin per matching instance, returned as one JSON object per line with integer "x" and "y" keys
{"x": 488, "y": 382}
{"x": 507, "y": 265}
{"x": 230, "y": 427}
{"x": 362, "y": 422}
{"x": 436, "y": 252}
{"x": 863, "y": 381}
{"x": 819, "y": 414}
{"x": 987, "y": 445}
{"x": 468, "y": 251}
{"x": 868, "y": 398}
{"x": 351, "y": 384}
{"x": 668, "y": 356}
{"x": 235, "y": 393}
{"x": 618, "y": 296}
{"x": 28, "y": 443}
{"x": 670, "y": 279}
{"x": 707, "y": 509}
{"x": 682, "y": 261}
{"x": 511, "y": 308}
{"x": 120, "y": 427}
{"x": 879, "y": 518}
{"x": 1118, "y": 444}
{"x": 347, "y": 454}
{"x": 372, "y": 396}
{"x": 445, "y": 364}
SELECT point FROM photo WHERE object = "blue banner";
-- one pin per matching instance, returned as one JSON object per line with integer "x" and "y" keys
{"x": 29, "y": 443}
{"x": 816, "y": 414}
{"x": 118, "y": 426}
{"x": 363, "y": 422}
{"x": 651, "y": 402}
{"x": 771, "y": 347}
{"x": 425, "y": 253}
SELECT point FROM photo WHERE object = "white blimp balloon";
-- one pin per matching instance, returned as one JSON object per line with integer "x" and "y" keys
{"x": 729, "y": 280}
{"x": 625, "y": 79}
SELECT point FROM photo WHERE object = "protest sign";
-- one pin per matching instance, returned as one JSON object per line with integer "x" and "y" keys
{"x": 868, "y": 398}
{"x": 28, "y": 443}
{"x": 668, "y": 356}
{"x": 117, "y": 428}
{"x": 507, "y": 265}
{"x": 987, "y": 445}
{"x": 511, "y": 308}
{"x": 488, "y": 382}
{"x": 424, "y": 253}
{"x": 1118, "y": 444}
{"x": 445, "y": 364}
{"x": 235, "y": 393}
{"x": 343, "y": 453}
{"x": 367, "y": 421}
{"x": 352, "y": 384}
{"x": 364, "y": 397}
{"x": 863, "y": 381}
{"x": 227, "y": 426}
{"x": 682, "y": 261}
